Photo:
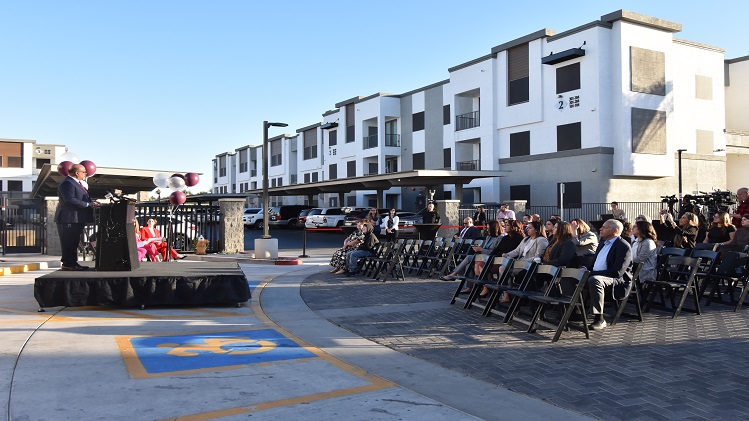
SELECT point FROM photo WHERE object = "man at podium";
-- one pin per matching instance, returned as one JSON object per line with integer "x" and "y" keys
{"x": 72, "y": 214}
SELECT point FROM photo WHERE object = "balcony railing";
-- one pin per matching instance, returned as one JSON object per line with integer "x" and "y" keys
{"x": 392, "y": 140}
{"x": 474, "y": 165}
{"x": 467, "y": 120}
{"x": 369, "y": 142}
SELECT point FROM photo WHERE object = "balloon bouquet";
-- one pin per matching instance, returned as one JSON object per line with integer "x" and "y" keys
{"x": 176, "y": 183}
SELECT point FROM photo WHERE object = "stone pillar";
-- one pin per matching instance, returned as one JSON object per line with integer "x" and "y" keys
{"x": 231, "y": 228}
{"x": 53, "y": 238}
{"x": 449, "y": 216}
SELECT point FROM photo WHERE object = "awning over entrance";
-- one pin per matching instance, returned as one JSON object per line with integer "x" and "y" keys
{"x": 130, "y": 181}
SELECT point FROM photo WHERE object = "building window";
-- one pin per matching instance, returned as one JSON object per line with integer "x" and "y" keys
{"x": 391, "y": 165}
{"x": 351, "y": 169}
{"x": 15, "y": 185}
{"x": 279, "y": 182}
{"x": 315, "y": 176}
{"x": 521, "y": 192}
{"x": 648, "y": 131}
{"x": 243, "y": 160}
{"x": 350, "y": 123}
{"x": 332, "y": 137}
{"x": 446, "y": 114}
{"x": 573, "y": 195}
{"x": 254, "y": 185}
{"x": 569, "y": 136}
{"x": 40, "y": 163}
{"x": 418, "y": 121}
{"x": 520, "y": 143}
{"x": 310, "y": 144}
{"x": 275, "y": 153}
{"x": 373, "y": 170}
{"x": 418, "y": 161}
{"x": 447, "y": 158}
{"x": 306, "y": 178}
{"x": 222, "y": 166}
{"x": 332, "y": 171}
{"x": 568, "y": 78}
{"x": 517, "y": 75}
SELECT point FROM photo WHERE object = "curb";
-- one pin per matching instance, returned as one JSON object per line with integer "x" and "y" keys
{"x": 28, "y": 267}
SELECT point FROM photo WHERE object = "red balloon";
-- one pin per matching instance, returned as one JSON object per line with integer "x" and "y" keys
{"x": 90, "y": 167}
{"x": 191, "y": 179}
{"x": 63, "y": 168}
{"x": 178, "y": 175}
{"x": 177, "y": 198}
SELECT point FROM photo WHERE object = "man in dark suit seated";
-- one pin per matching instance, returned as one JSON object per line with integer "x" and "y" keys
{"x": 611, "y": 270}
{"x": 468, "y": 231}
{"x": 72, "y": 214}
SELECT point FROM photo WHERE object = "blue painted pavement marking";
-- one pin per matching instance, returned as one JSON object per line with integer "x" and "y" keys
{"x": 163, "y": 354}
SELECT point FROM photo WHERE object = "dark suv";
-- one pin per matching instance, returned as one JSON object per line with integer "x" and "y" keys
{"x": 284, "y": 216}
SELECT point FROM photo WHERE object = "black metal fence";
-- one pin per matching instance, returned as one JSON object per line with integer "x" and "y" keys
{"x": 189, "y": 222}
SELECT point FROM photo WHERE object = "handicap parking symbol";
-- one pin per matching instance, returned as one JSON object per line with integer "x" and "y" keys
{"x": 163, "y": 354}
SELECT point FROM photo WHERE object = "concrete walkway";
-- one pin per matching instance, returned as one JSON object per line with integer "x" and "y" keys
{"x": 272, "y": 359}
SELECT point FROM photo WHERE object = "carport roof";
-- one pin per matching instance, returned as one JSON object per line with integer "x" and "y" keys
{"x": 130, "y": 181}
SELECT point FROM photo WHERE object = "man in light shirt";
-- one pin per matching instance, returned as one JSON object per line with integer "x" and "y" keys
{"x": 505, "y": 212}
{"x": 611, "y": 270}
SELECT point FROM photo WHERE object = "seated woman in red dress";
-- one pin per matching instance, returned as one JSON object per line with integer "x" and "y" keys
{"x": 145, "y": 247}
{"x": 151, "y": 232}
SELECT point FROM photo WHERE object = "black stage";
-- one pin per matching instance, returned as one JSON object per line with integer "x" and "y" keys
{"x": 154, "y": 283}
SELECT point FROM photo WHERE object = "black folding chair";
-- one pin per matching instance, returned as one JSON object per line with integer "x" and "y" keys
{"x": 633, "y": 296}
{"x": 477, "y": 283}
{"x": 565, "y": 293}
{"x": 708, "y": 265}
{"x": 390, "y": 266}
{"x": 420, "y": 253}
{"x": 730, "y": 272}
{"x": 706, "y": 246}
{"x": 540, "y": 284}
{"x": 678, "y": 276}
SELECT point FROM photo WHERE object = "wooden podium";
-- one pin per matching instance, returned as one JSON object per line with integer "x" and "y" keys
{"x": 115, "y": 239}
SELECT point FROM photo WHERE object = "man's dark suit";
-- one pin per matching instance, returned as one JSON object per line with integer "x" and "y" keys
{"x": 73, "y": 212}
{"x": 472, "y": 233}
{"x": 618, "y": 267}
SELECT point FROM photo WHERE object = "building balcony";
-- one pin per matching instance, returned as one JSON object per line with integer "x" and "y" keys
{"x": 393, "y": 140}
{"x": 467, "y": 120}
{"x": 369, "y": 142}
{"x": 474, "y": 165}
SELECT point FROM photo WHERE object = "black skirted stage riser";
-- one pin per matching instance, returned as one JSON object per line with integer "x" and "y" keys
{"x": 156, "y": 283}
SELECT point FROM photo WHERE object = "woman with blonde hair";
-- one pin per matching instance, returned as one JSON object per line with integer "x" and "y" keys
{"x": 585, "y": 240}
{"x": 686, "y": 231}
{"x": 721, "y": 230}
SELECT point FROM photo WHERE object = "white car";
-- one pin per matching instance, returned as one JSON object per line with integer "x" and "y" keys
{"x": 325, "y": 218}
{"x": 252, "y": 216}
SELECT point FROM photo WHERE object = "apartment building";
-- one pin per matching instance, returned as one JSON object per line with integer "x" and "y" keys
{"x": 20, "y": 163}
{"x": 604, "y": 108}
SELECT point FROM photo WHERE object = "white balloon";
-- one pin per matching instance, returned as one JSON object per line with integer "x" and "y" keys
{"x": 161, "y": 180}
{"x": 176, "y": 183}
{"x": 70, "y": 156}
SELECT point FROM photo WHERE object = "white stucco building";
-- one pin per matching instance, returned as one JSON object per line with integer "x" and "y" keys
{"x": 604, "y": 108}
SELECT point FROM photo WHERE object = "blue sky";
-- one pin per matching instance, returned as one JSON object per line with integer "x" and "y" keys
{"x": 167, "y": 85}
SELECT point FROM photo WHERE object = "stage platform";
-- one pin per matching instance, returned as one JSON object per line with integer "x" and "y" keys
{"x": 154, "y": 283}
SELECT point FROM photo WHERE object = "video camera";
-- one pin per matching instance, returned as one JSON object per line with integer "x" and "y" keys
{"x": 713, "y": 202}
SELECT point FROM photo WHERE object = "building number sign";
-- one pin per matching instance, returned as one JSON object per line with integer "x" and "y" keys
{"x": 574, "y": 101}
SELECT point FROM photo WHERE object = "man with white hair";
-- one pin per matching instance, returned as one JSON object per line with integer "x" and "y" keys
{"x": 611, "y": 270}
{"x": 743, "y": 208}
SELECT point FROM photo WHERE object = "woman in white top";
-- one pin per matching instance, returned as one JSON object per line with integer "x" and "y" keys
{"x": 389, "y": 226}
{"x": 644, "y": 250}
{"x": 533, "y": 246}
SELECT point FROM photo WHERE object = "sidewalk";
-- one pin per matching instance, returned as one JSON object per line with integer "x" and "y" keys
{"x": 274, "y": 358}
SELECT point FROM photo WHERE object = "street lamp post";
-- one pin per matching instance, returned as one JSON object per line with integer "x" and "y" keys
{"x": 266, "y": 126}
{"x": 680, "y": 193}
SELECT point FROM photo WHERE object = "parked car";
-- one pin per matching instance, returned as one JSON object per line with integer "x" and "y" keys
{"x": 325, "y": 218}
{"x": 302, "y": 218}
{"x": 284, "y": 216}
{"x": 251, "y": 215}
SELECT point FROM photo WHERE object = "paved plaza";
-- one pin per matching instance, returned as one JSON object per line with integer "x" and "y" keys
{"x": 687, "y": 368}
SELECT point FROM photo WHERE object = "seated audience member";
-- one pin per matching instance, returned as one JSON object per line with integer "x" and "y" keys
{"x": 531, "y": 247}
{"x": 686, "y": 231}
{"x": 645, "y": 250}
{"x": 536, "y": 217}
{"x": 374, "y": 218}
{"x": 352, "y": 242}
{"x": 431, "y": 216}
{"x": 145, "y": 247}
{"x": 510, "y": 241}
{"x": 389, "y": 226}
{"x": 610, "y": 270}
{"x": 585, "y": 240}
{"x": 618, "y": 213}
{"x": 561, "y": 249}
{"x": 479, "y": 218}
{"x": 150, "y": 232}
{"x": 365, "y": 249}
{"x": 742, "y": 195}
{"x": 505, "y": 212}
{"x": 494, "y": 235}
{"x": 721, "y": 231}
{"x": 627, "y": 232}
{"x": 742, "y": 234}
{"x": 468, "y": 232}
{"x": 549, "y": 227}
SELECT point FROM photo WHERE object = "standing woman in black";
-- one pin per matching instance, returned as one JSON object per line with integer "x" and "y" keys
{"x": 431, "y": 216}
{"x": 389, "y": 226}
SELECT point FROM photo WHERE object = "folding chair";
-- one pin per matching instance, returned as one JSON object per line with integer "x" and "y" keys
{"x": 478, "y": 282}
{"x": 540, "y": 284}
{"x": 633, "y": 296}
{"x": 708, "y": 265}
{"x": 678, "y": 275}
{"x": 421, "y": 252}
{"x": 440, "y": 249}
{"x": 733, "y": 247}
{"x": 731, "y": 271}
{"x": 566, "y": 293}
{"x": 391, "y": 264}
{"x": 368, "y": 263}
{"x": 706, "y": 246}
{"x": 409, "y": 251}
